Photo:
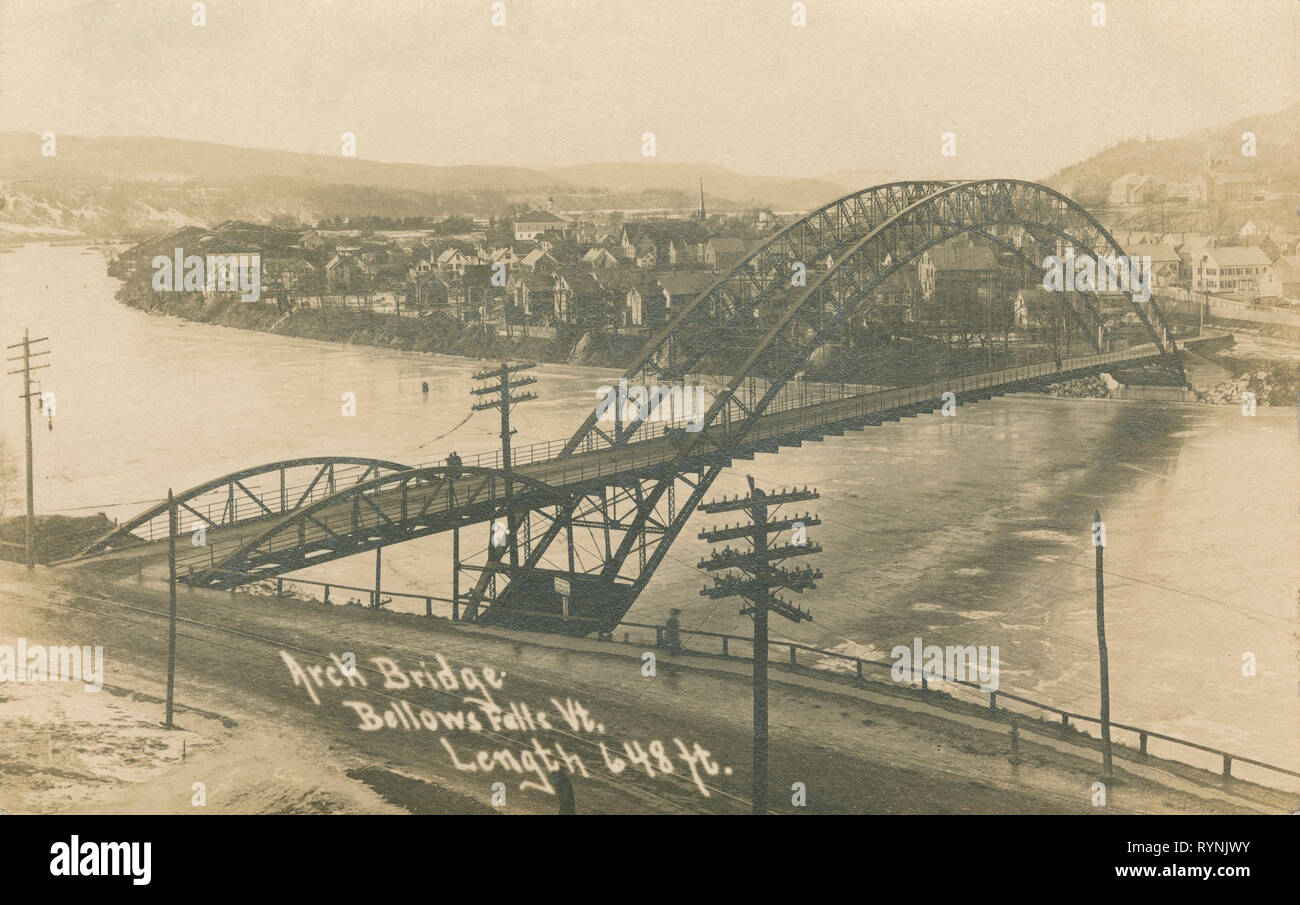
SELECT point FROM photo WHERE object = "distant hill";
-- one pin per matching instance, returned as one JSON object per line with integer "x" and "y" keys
{"x": 1276, "y": 165}
{"x": 114, "y": 186}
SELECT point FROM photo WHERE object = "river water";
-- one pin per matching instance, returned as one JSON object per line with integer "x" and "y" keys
{"x": 973, "y": 529}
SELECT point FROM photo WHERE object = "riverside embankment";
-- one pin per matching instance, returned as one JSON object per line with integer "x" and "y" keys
{"x": 435, "y": 714}
{"x": 385, "y": 329}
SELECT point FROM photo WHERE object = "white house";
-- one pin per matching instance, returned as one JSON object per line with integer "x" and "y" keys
{"x": 532, "y": 224}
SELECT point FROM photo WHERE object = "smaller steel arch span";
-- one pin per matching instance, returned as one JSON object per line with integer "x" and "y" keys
{"x": 123, "y": 531}
{"x": 341, "y": 531}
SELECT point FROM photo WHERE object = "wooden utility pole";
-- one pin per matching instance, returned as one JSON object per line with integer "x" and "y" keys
{"x": 754, "y": 578}
{"x": 501, "y": 388}
{"x": 26, "y": 396}
{"x": 172, "y": 525}
{"x": 1099, "y": 542}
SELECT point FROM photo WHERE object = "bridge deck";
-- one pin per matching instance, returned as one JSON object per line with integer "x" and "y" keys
{"x": 430, "y": 506}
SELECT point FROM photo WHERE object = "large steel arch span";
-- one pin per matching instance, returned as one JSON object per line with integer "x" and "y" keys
{"x": 797, "y": 319}
{"x": 385, "y": 510}
{"x": 828, "y": 230}
{"x": 761, "y": 282}
{"x": 238, "y": 494}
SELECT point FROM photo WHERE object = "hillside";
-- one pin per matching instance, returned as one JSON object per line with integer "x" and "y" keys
{"x": 116, "y": 186}
{"x": 1276, "y": 164}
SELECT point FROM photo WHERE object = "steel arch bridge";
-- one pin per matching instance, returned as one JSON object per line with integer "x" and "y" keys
{"x": 757, "y": 307}
{"x": 388, "y": 509}
{"x": 238, "y": 503}
{"x": 629, "y": 486}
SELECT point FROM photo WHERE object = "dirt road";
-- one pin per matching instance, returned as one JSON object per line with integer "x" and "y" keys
{"x": 289, "y": 706}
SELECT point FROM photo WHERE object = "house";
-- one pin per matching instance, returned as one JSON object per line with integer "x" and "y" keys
{"x": 579, "y": 299}
{"x": 346, "y": 273}
{"x": 453, "y": 260}
{"x": 643, "y": 301}
{"x": 312, "y": 240}
{"x": 287, "y": 279}
{"x": 662, "y": 243}
{"x": 471, "y": 292}
{"x": 600, "y": 259}
{"x": 1231, "y": 268}
{"x": 958, "y": 283}
{"x": 538, "y": 260}
{"x": 1136, "y": 188}
{"x": 1226, "y": 186}
{"x": 958, "y": 262}
{"x": 532, "y": 224}
{"x": 533, "y": 294}
{"x": 428, "y": 291}
{"x": 1166, "y": 265}
{"x": 1035, "y": 307}
{"x": 725, "y": 252}
{"x": 556, "y": 243}
{"x": 1288, "y": 277}
{"x": 1265, "y": 243}
{"x": 680, "y": 288}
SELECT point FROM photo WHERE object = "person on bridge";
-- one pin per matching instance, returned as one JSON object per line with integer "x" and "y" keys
{"x": 453, "y": 464}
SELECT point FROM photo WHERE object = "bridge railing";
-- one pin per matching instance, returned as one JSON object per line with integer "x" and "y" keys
{"x": 811, "y": 394}
{"x": 543, "y": 466}
{"x": 921, "y": 679}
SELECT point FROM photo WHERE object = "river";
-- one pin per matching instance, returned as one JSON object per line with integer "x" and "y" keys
{"x": 973, "y": 529}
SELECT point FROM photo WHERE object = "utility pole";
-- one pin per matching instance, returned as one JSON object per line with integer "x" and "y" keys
{"x": 26, "y": 396}
{"x": 752, "y": 575}
{"x": 1099, "y": 542}
{"x": 173, "y": 520}
{"x": 501, "y": 388}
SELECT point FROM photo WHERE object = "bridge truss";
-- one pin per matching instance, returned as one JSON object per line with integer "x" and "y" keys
{"x": 847, "y": 249}
{"x": 604, "y": 530}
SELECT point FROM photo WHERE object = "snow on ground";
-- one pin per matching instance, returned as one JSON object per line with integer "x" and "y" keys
{"x": 71, "y": 751}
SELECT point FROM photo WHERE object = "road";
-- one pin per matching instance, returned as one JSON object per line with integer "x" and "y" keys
{"x": 237, "y": 656}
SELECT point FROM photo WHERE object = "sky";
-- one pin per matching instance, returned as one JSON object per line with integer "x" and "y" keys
{"x": 1026, "y": 86}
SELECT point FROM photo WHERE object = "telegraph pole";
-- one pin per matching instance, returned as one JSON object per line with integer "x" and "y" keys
{"x": 501, "y": 388}
{"x": 172, "y": 526}
{"x": 752, "y": 575}
{"x": 26, "y": 396}
{"x": 1099, "y": 542}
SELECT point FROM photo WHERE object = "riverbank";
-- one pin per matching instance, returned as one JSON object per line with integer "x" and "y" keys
{"x": 55, "y": 537}
{"x": 1271, "y": 377}
{"x": 262, "y": 738}
{"x": 435, "y": 334}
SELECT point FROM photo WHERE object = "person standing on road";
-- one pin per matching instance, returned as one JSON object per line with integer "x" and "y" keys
{"x": 672, "y": 632}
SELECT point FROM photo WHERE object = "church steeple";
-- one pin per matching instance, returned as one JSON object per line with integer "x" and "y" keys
{"x": 702, "y": 215}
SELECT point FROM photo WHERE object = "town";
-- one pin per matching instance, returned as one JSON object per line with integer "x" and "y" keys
{"x": 606, "y": 280}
